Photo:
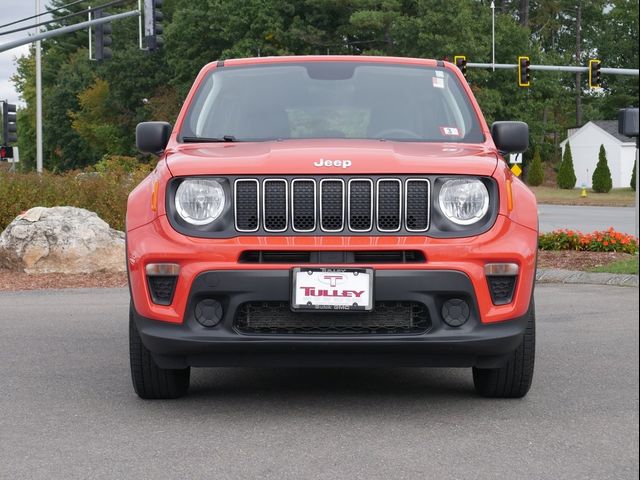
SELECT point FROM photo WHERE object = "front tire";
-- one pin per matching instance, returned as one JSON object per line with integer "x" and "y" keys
{"x": 513, "y": 380}
{"x": 149, "y": 380}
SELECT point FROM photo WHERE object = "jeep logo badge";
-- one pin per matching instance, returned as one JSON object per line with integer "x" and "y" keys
{"x": 332, "y": 163}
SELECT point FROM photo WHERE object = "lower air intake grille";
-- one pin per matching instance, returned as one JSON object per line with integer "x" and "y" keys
{"x": 387, "y": 318}
{"x": 501, "y": 288}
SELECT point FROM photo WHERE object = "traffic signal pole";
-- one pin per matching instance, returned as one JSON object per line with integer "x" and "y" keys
{"x": 37, "y": 38}
{"x": 555, "y": 68}
{"x": 68, "y": 29}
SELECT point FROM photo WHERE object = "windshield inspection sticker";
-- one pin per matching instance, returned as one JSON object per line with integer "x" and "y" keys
{"x": 450, "y": 131}
{"x": 439, "y": 73}
{"x": 438, "y": 82}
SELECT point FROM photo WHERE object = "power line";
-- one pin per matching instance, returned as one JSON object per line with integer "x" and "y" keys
{"x": 56, "y": 20}
{"x": 41, "y": 14}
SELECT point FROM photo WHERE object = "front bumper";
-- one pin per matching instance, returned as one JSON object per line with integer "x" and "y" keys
{"x": 157, "y": 242}
{"x": 190, "y": 344}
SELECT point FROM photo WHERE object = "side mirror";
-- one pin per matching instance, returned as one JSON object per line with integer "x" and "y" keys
{"x": 628, "y": 122}
{"x": 510, "y": 137}
{"x": 152, "y": 137}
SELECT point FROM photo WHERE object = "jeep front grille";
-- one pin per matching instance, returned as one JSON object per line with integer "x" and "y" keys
{"x": 332, "y": 205}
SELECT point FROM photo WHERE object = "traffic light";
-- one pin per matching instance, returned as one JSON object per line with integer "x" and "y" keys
{"x": 524, "y": 75}
{"x": 9, "y": 124}
{"x": 102, "y": 37}
{"x": 153, "y": 24}
{"x": 594, "y": 73}
{"x": 461, "y": 63}
{"x": 6, "y": 152}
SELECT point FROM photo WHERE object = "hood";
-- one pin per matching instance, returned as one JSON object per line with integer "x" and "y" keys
{"x": 330, "y": 157}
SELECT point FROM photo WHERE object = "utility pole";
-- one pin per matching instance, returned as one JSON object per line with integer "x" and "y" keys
{"x": 493, "y": 35}
{"x": 628, "y": 125}
{"x": 38, "y": 96}
{"x": 578, "y": 60}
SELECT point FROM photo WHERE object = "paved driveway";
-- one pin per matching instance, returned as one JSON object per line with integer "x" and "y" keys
{"x": 67, "y": 409}
{"x": 586, "y": 219}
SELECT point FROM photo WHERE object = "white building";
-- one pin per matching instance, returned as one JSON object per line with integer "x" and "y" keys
{"x": 585, "y": 146}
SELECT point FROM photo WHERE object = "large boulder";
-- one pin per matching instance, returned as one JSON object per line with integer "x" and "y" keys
{"x": 61, "y": 240}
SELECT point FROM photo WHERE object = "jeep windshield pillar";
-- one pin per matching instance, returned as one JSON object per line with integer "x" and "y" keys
{"x": 331, "y": 211}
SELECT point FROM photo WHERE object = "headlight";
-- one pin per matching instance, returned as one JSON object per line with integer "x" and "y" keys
{"x": 200, "y": 201}
{"x": 464, "y": 201}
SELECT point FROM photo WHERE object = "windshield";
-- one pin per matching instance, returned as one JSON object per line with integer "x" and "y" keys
{"x": 331, "y": 100}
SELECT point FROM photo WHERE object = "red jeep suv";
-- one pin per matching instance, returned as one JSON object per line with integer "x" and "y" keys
{"x": 331, "y": 211}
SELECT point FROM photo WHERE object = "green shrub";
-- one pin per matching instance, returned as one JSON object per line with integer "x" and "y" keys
{"x": 566, "y": 175}
{"x": 632, "y": 184}
{"x": 601, "y": 178}
{"x": 104, "y": 192}
{"x": 536, "y": 172}
{"x": 117, "y": 164}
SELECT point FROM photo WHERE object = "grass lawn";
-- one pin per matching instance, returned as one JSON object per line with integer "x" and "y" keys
{"x": 627, "y": 266}
{"x": 618, "y": 197}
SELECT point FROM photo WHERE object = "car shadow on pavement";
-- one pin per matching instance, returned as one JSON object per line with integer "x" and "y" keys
{"x": 327, "y": 384}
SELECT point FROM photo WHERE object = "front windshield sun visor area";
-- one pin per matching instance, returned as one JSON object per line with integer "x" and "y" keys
{"x": 314, "y": 100}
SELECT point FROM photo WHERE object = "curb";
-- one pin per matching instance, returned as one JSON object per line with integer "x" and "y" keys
{"x": 556, "y": 275}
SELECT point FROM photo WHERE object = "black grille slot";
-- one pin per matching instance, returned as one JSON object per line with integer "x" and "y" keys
{"x": 162, "y": 289}
{"x": 387, "y": 318}
{"x": 360, "y": 205}
{"x": 247, "y": 208}
{"x": 389, "y": 256}
{"x": 417, "y": 206}
{"x": 501, "y": 288}
{"x": 275, "y": 205}
{"x": 332, "y": 205}
{"x": 266, "y": 256}
{"x": 330, "y": 257}
{"x": 389, "y": 205}
{"x": 304, "y": 205}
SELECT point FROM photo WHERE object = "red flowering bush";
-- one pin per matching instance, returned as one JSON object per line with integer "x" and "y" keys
{"x": 602, "y": 241}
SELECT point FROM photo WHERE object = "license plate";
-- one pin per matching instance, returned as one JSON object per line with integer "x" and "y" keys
{"x": 332, "y": 289}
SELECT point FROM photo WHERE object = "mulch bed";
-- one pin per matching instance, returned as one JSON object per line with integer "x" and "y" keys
{"x": 11, "y": 281}
{"x": 572, "y": 260}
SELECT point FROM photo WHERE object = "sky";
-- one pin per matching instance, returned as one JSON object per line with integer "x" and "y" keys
{"x": 11, "y": 10}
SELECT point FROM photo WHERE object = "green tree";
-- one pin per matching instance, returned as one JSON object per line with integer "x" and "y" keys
{"x": 536, "y": 172}
{"x": 632, "y": 183}
{"x": 601, "y": 178}
{"x": 93, "y": 121}
{"x": 566, "y": 175}
{"x": 143, "y": 86}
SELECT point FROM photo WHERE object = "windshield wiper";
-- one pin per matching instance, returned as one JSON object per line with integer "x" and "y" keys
{"x": 225, "y": 138}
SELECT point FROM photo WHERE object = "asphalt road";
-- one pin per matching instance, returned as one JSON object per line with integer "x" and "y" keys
{"x": 586, "y": 219}
{"x": 68, "y": 411}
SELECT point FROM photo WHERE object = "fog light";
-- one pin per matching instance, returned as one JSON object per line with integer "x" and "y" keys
{"x": 208, "y": 312}
{"x": 455, "y": 312}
